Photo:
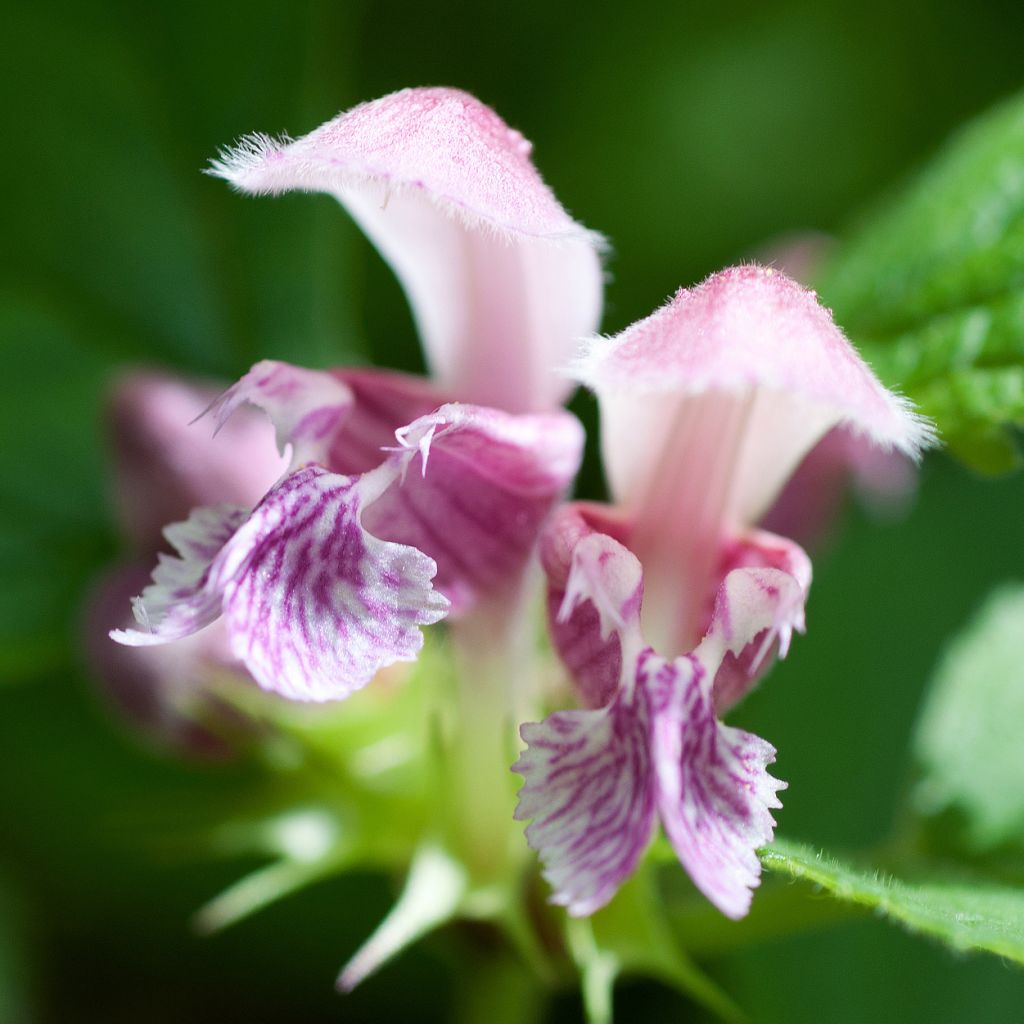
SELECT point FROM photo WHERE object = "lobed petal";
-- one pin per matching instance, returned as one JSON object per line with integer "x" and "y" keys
{"x": 475, "y": 488}
{"x": 754, "y": 603}
{"x": 589, "y": 788}
{"x": 610, "y": 578}
{"x": 185, "y": 594}
{"x": 758, "y": 606}
{"x": 714, "y": 792}
{"x": 307, "y": 407}
{"x": 314, "y": 603}
{"x": 710, "y": 782}
{"x": 341, "y": 419}
{"x": 595, "y": 779}
{"x": 595, "y": 592}
{"x": 501, "y": 280}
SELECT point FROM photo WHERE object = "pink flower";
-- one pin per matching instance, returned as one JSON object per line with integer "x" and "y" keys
{"x": 401, "y": 506}
{"x": 501, "y": 280}
{"x": 668, "y": 607}
{"x": 161, "y": 470}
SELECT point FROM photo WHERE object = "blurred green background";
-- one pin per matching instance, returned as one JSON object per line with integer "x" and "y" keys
{"x": 691, "y": 134}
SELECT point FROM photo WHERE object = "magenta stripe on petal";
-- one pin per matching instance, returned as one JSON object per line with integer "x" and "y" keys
{"x": 588, "y": 786}
{"x": 315, "y": 604}
{"x": 714, "y": 793}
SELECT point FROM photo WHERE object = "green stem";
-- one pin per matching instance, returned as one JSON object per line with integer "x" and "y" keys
{"x": 493, "y": 657}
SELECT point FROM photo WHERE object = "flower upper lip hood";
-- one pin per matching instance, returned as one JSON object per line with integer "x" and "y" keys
{"x": 438, "y": 140}
{"x": 707, "y": 407}
{"x": 752, "y": 327}
{"x": 501, "y": 280}
{"x": 745, "y": 331}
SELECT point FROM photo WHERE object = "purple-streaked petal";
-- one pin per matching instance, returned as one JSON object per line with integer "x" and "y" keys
{"x": 595, "y": 591}
{"x": 307, "y": 407}
{"x": 383, "y": 402}
{"x": 501, "y": 280}
{"x": 164, "y": 466}
{"x": 581, "y": 767}
{"x": 475, "y": 489}
{"x": 314, "y": 603}
{"x": 759, "y": 605}
{"x": 588, "y": 786}
{"x": 714, "y": 792}
{"x": 185, "y": 593}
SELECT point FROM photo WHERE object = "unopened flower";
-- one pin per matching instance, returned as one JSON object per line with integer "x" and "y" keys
{"x": 161, "y": 469}
{"x": 667, "y": 607}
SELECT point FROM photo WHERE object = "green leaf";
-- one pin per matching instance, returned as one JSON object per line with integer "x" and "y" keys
{"x": 965, "y": 913}
{"x": 932, "y": 289}
{"x": 968, "y": 743}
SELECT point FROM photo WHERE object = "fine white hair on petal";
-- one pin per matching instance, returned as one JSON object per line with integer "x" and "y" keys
{"x": 751, "y": 327}
{"x": 500, "y": 278}
{"x": 715, "y": 795}
{"x": 247, "y": 154}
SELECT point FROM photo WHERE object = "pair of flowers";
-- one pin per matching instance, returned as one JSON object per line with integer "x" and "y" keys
{"x": 404, "y": 502}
